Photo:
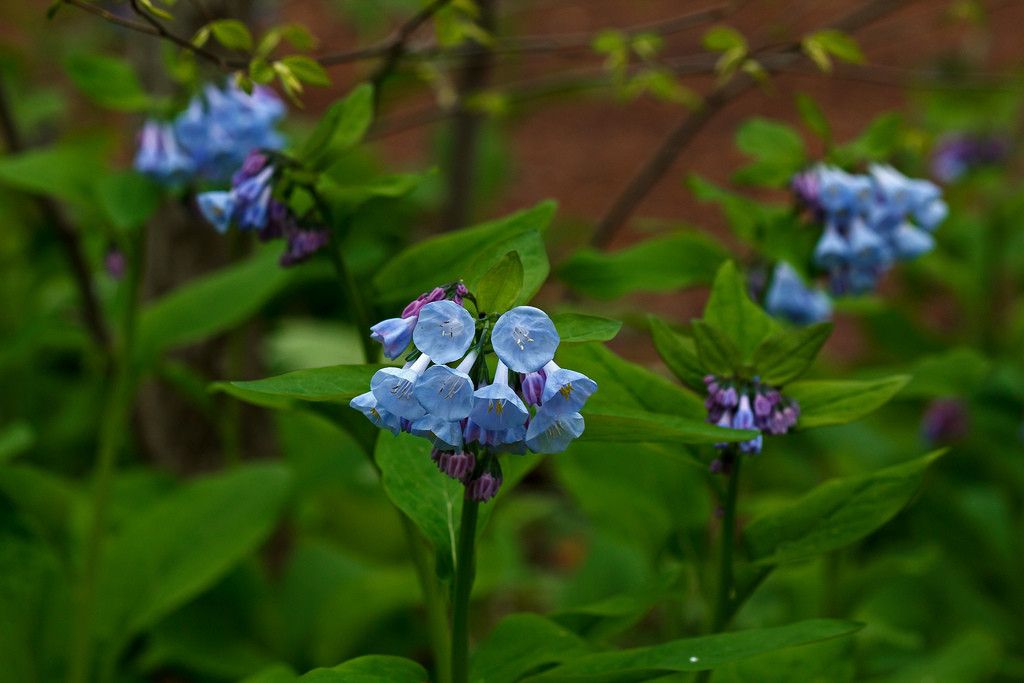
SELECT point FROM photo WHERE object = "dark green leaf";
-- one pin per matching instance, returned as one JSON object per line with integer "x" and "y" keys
{"x": 730, "y": 309}
{"x": 835, "y": 514}
{"x": 521, "y": 643}
{"x": 500, "y": 287}
{"x": 625, "y": 426}
{"x": 679, "y": 354}
{"x": 210, "y": 304}
{"x": 786, "y": 356}
{"x": 231, "y": 33}
{"x": 837, "y": 402}
{"x": 15, "y": 437}
{"x": 717, "y": 353}
{"x": 746, "y": 217}
{"x": 278, "y": 673}
{"x": 771, "y": 141}
{"x": 465, "y": 254}
{"x": 692, "y": 654}
{"x": 813, "y": 117}
{"x": 66, "y": 171}
{"x": 337, "y": 384}
{"x": 958, "y": 372}
{"x": 370, "y": 669}
{"x": 532, "y": 254}
{"x": 576, "y": 328}
{"x": 107, "y": 81}
{"x": 128, "y": 199}
{"x": 656, "y": 265}
{"x": 351, "y": 196}
{"x": 343, "y": 125}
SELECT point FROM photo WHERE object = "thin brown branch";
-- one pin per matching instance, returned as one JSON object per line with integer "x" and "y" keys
{"x": 392, "y": 47}
{"x": 661, "y": 160}
{"x": 71, "y": 244}
{"x": 181, "y": 41}
{"x": 112, "y": 18}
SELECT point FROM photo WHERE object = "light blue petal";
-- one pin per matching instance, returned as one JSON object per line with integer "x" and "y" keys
{"x": 367, "y": 405}
{"x": 444, "y": 434}
{"x": 549, "y": 433}
{"x": 444, "y": 331}
{"x": 217, "y": 208}
{"x": 931, "y": 214}
{"x": 445, "y": 392}
{"x": 496, "y": 407}
{"x": 394, "y": 390}
{"x": 394, "y": 334}
{"x": 566, "y": 391}
{"x": 831, "y": 250}
{"x": 525, "y": 339}
{"x": 911, "y": 242}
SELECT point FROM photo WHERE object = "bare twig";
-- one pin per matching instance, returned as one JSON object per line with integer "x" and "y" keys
{"x": 69, "y": 240}
{"x": 676, "y": 141}
{"x": 163, "y": 32}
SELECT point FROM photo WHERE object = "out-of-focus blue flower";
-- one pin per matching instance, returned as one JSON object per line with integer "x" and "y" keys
{"x": 565, "y": 391}
{"x": 788, "y": 297}
{"x": 944, "y": 421}
{"x": 301, "y": 244}
{"x": 444, "y": 331}
{"x": 254, "y": 215}
{"x": 957, "y": 154}
{"x": 553, "y": 432}
{"x": 910, "y": 242}
{"x": 832, "y": 249}
{"x": 218, "y": 207}
{"x": 160, "y": 156}
{"x": 394, "y": 334}
{"x": 525, "y": 339}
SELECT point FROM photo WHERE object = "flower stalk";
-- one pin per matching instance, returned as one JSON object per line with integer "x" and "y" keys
{"x": 462, "y": 587}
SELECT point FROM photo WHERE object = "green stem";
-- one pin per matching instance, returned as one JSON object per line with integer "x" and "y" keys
{"x": 111, "y": 438}
{"x": 433, "y": 600}
{"x": 465, "y": 571}
{"x": 355, "y": 301}
{"x": 723, "y": 609}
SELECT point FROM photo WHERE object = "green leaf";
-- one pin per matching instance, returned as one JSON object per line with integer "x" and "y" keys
{"x": 430, "y": 498}
{"x": 521, "y": 643}
{"x": 67, "y": 171}
{"x": 499, "y": 289}
{"x": 813, "y": 48}
{"x": 107, "y": 81}
{"x": 184, "y": 543}
{"x": 778, "y": 148}
{"x": 623, "y": 425}
{"x": 958, "y": 372}
{"x": 840, "y": 45}
{"x": 878, "y": 142}
{"x": 692, "y": 654}
{"x": 786, "y": 356}
{"x": 209, "y": 305}
{"x": 370, "y": 669}
{"x": 679, "y": 354}
{"x": 277, "y": 673}
{"x": 718, "y": 354}
{"x": 128, "y": 199}
{"x": 813, "y": 117}
{"x": 231, "y": 33}
{"x": 307, "y": 70}
{"x": 260, "y": 71}
{"x": 731, "y": 310}
{"x": 574, "y": 328}
{"x": 746, "y": 217}
{"x": 336, "y": 384}
{"x": 467, "y": 254}
{"x": 657, "y": 265}
{"x": 837, "y": 402}
{"x": 351, "y": 196}
{"x": 342, "y": 127}
{"x": 723, "y": 38}
{"x": 835, "y": 514}
{"x": 15, "y": 438}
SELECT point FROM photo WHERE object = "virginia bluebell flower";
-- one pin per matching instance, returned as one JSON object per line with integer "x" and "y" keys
{"x": 741, "y": 404}
{"x": 160, "y": 156}
{"x": 788, "y": 297}
{"x": 956, "y": 155}
{"x": 468, "y": 416}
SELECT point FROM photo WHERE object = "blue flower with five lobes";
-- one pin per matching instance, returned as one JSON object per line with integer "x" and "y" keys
{"x": 159, "y": 154}
{"x": 832, "y": 249}
{"x": 553, "y": 432}
{"x": 444, "y": 434}
{"x": 525, "y": 339}
{"x": 932, "y": 213}
{"x": 394, "y": 334}
{"x": 909, "y": 242}
{"x": 218, "y": 207}
{"x": 368, "y": 406}
{"x": 790, "y": 298}
{"x": 394, "y": 389}
{"x": 866, "y": 247}
{"x": 445, "y": 392}
{"x": 496, "y": 407}
{"x": 565, "y": 391}
{"x": 444, "y": 331}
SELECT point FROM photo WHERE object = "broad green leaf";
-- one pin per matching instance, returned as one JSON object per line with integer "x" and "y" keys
{"x": 128, "y": 199}
{"x": 521, "y": 643}
{"x": 722, "y": 38}
{"x": 958, "y": 372}
{"x": 577, "y": 327}
{"x": 878, "y": 142}
{"x": 730, "y": 309}
{"x": 530, "y": 248}
{"x": 976, "y": 655}
{"x": 657, "y": 265}
{"x": 829, "y": 402}
{"x": 463, "y": 254}
{"x": 210, "y": 305}
{"x": 717, "y": 352}
{"x": 625, "y": 426}
{"x": 277, "y": 673}
{"x": 745, "y": 216}
{"x": 626, "y": 385}
{"x": 260, "y": 71}
{"x": 343, "y": 125}
{"x": 184, "y": 543}
{"x": 500, "y": 287}
{"x": 67, "y": 171}
{"x": 786, "y": 356}
{"x": 351, "y": 196}
{"x": 15, "y": 438}
{"x": 778, "y": 148}
{"x": 835, "y": 514}
{"x": 107, "y": 81}
{"x": 692, "y": 654}
{"x": 813, "y": 117}
{"x": 307, "y": 70}
{"x": 370, "y": 669}
{"x": 231, "y": 33}
{"x": 337, "y": 384}
{"x": 679, "y": 354}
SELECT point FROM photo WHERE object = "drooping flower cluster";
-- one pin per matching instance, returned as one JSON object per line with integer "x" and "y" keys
{"x": 468, "y": 415}
{"x": 870, "y": 221}
{"x": 788, "y": 297}
{"x": 210, "y": 139}
{"x": 741, "y": 404}
{"x": 956, "y": 155}
{"x": 250, "y": 204}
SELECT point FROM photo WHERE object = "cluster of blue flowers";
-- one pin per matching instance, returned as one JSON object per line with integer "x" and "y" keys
{"x": 739, "y": 404}
{"x": 790, "y": 298}
{"x": 468, "y": 415}
{"x": 956, "y": 155}
{"x": 210, "y": 139}
{"x": 250, "y": 204}
{"x": 870, "y": 221}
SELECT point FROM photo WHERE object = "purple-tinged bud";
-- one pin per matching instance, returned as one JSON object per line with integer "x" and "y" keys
{"x": 752, "y": 447}
{"x": 762, "y": 405}
{"x": 728, "y": 398}
{"x": 484, "y": 488}
{"x": 533, "y": 387}
{"x": 413, "y": 309}
{"x": 744, "y": 417}
{"x": 302, "y": 244}
{"x": 944, "y": 421}
{"x": 459, "y": 465}
{"x": 253, "y": 164}
{"x": 717, "y": 466}
{"x": 394, "y": 334}
{"x": 113, "y": 262}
